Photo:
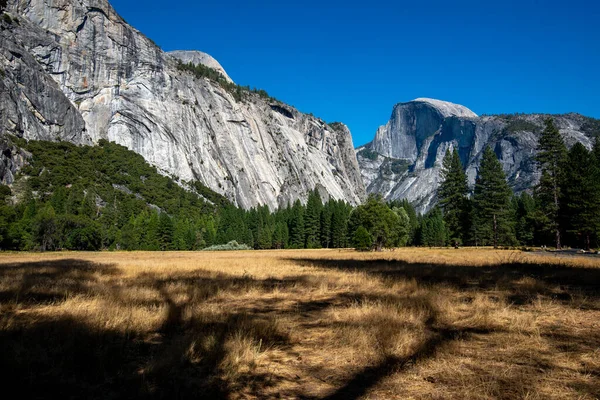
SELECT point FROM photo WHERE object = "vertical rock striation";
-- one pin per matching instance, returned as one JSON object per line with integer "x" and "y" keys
{"x": 76, "y": 71}
{"x": 404, "y": 160}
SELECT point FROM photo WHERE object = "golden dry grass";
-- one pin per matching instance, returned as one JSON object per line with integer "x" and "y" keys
{"x": 323, "y": 324}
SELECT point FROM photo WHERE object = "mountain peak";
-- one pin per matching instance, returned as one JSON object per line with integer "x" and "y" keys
{"x": 446, "y": 108}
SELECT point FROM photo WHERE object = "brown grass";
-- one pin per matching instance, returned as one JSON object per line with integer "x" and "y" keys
{"x": 324, "y": 324}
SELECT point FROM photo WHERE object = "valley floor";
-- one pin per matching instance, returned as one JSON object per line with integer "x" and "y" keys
{"x": 322, "y": 324}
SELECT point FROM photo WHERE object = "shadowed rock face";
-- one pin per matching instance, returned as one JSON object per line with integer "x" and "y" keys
{"x": 76, "y": 71}
{"x": 419, "y": 133}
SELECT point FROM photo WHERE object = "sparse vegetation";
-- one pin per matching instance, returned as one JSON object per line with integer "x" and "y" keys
{"x": 319, "y": 324}
{"x": 238, "y": 92}
{"x": 368, "y": 154}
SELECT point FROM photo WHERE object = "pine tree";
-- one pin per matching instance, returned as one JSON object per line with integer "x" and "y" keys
{"x": 339, "y": 225}
{"x": 491, "y": 203}
{"x": 524, "y": 212}
{"x": 453, "y": 195}
{"x": 551, "y": 157}
{"x": 312, "y": 220}
{"x": 433, "y": 229}
{"x": 403, "y": 226}
{"x": 164, "y": 232}
{"x": 581, "y": 195}
{"x": 362, "y": 239}
{"x": 326, "y": 216}
{"x": 296, "y": 225}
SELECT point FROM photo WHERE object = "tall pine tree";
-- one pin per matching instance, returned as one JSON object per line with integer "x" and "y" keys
{"x": 581, "y": 195}
{"x": 491, "y": 203}
{"x": 551, "y": 157}
{"x": 453, "y": 196}
{"x": 312, "y": 220}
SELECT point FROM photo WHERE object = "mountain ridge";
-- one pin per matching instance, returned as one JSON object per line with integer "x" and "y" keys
{"x": 96, "y": 77}
{"x": 405, "y": 157}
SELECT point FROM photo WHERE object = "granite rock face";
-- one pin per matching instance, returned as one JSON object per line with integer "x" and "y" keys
{"x": 198, "y": 57}
{"x": 404, "y": 160}
{"x": 75, "y": 70}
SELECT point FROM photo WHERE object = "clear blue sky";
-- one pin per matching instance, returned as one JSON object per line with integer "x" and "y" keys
{"x": 351, "y": 61}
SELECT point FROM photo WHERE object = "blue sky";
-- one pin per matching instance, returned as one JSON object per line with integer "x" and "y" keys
{"x": 352, "y": 61}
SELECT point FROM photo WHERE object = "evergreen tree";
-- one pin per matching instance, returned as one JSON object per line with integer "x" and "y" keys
{"x": 403, "y": 226}
{"x": 379, "y": 220}
{"x": 312, "y": 220}
{"x": 524, "y": 212}
{"x": 581, "y": 195}
{"x": 326, "y": 216}
{"x": 453, "y": 196}
{"x": 433, "y": 229}
{"x": 362, "y": 239}
{"x": 491, "y": 203}
{"x": 296, "y": 226}
{"x": 551, "y": 157}
{"x": 164, "y": 232}
{"x": 280, "y": 236}
{"x": 339, "y": 225}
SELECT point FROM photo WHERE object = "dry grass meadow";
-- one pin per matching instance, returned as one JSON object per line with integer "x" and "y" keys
{"x": 323, "y": 324}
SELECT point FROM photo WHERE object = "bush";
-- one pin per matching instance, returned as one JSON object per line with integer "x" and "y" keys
{"x": 233, "y": 245}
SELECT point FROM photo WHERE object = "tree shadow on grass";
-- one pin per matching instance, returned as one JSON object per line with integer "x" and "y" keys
{"x": 521, "y": 283}
{"x": 46, "y": 354}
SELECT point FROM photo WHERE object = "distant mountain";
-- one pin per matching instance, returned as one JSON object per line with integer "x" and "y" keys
{"x": 404, "y": 160}
{"x": 74, "y": 70}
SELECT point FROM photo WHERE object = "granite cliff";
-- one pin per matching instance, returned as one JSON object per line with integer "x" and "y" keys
{"x": 76, "y": 71}
{"x": 404, "y": 160}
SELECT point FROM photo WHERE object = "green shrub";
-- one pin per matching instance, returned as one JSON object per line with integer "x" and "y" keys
{"x": 233, "y": 245}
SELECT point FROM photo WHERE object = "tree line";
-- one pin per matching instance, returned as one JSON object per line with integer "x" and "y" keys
{"x": 563, "y": 209}
{"x": 107, "y": 197}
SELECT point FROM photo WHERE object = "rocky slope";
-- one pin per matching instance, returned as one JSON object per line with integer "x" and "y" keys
{"x": 75, "y": 70}
{"x": 404, "y": 160}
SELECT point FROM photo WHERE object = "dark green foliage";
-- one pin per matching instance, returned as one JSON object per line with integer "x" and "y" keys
{"x": 492, "y": 223}
{"x": 379, "y": 220}
{"x": 88, "y": 198}
{"x": 238, "y": 92}
{"x": 362, "y": 239}
{"x": 399, "y": 166}
{"x": 524, "y": 213}
{"x": 453, "y": 200}
{"x": 551, "y": 157}
{"x": 580, "y": 205}
{"x": 296, "y": 226}
{"x": 368, "y": 154}
{"x": 4, "y": 192}
{"x": 433, "y": 230}
{"x": 521, "y": 125}
{"x": 413, "y": 220}
{"x": 7, "y": 19}
{"x": 312, "y": 221}
{"x": 591, "y": 127}
{"x": 338, "y": 126}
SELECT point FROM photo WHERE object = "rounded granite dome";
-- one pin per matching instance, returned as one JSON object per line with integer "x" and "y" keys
{"x": 446, "y": 108}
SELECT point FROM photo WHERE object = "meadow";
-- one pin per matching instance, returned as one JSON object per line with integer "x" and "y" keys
{"x": 309, "y": 324}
